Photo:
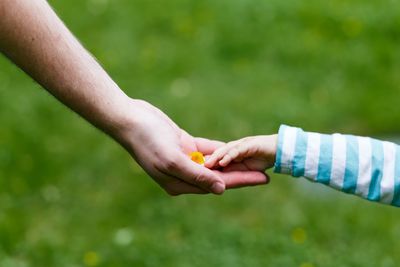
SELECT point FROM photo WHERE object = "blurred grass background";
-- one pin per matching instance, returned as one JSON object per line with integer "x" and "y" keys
{"x": 69, "y": 196}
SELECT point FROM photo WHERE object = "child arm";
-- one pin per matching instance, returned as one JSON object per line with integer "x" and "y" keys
{"x": 357, "y": 165}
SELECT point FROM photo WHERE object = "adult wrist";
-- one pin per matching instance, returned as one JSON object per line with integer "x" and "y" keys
{"x": 116, "y": 118}
{"x": 129, "y": 122}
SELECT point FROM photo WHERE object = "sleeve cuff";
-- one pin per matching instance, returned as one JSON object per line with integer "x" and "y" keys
{"x": 291, "y": 151}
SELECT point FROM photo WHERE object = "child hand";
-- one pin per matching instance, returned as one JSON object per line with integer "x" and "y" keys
{"x": 256, "y": 152}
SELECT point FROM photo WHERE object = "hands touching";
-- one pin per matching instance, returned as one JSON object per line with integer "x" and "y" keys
{"x": 162, "y": 149}
{"x": 257, "y": 153}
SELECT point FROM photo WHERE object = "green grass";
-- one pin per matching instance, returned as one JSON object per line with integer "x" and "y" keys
{"x": 69, "y": 196}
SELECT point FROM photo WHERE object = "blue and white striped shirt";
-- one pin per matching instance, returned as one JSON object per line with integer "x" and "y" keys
{"x": 357, "y": 165}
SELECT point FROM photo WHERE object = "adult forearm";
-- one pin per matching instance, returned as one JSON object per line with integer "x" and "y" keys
{"x": 35, "y": 39}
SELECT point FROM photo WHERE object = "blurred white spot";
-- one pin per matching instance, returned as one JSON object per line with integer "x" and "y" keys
{"x": 123, "y": 237}
{"x": 180, "y": 88}
{"x": 51, "y": 193}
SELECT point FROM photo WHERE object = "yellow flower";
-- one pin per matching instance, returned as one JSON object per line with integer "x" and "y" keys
{"x": 197, "y": 157}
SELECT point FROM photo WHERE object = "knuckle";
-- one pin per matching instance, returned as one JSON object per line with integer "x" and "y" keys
{"x": 227, "y": 157}
{"x": 238, "y": 148}
{"x": 234, "y": 152}
{"x": 242, "y": 148}
{"x": 171, "y": 164}
{"x": 201, "y": 179}
{"x": 231, "y": 144}
{"x": 218, "y": 152}
{"x": 246, "y": 139}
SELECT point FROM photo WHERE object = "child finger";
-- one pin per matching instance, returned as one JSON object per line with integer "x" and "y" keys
{"x": 237, "y": 153}
{"x": 212, "y": 160}
{"x": 218, "y": 155}
{"x": 225, "y": 161}
{"x": 207, "y": 146}
{"x": 232, "y": 154}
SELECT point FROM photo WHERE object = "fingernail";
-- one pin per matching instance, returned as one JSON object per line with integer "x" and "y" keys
{"x": 218, "y": 188}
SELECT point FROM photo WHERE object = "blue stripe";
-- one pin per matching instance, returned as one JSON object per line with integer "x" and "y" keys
{"x": 376, "y": 170}
{"x": 351, "y": 171}
{"x": 396, "y": 196}
{"x": 325, "y": 160}
{"x": 299, "y": 159}
{"x": 278, "y": 157}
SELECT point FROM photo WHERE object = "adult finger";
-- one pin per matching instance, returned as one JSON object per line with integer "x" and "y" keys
{"x": 192, "y": 173}
{"x": 179, "y": 187}
{"x": 174, "y": 186}
{"x": 236, "y": 179}
{"x": 256, "y": 177}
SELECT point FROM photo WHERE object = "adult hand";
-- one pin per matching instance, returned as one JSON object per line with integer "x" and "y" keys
{"x": 37, "y": 41}
{"x": 162, "y": 149}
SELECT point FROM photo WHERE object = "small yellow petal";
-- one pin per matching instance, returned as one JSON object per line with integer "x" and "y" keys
{"x": 197, "y": 157}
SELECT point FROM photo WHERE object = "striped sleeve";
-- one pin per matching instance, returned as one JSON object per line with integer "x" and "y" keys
{"x": 356, "y": 165}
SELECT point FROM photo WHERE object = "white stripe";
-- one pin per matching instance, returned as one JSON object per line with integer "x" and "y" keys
{"x": 387, "y": 182}
{"x": 288, "y": 149}
{"x": 338, "y": 161}
{"x": 364, "y": 166}
{"x": 312, "y": 156}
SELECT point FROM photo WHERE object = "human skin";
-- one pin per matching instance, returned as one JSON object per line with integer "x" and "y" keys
{"x": 35, "y": 39}
{"x": 258, "y": 153}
